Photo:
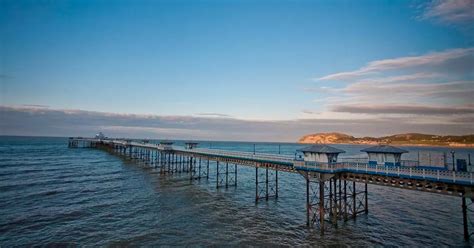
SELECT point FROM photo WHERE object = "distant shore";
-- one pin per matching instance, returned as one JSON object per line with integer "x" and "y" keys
{"x": 399, "y": 144}
{"x": 409, "y": 139}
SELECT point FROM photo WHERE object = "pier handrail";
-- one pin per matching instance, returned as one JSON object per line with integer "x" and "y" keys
{"x": 399, "y": 171}
{"x": 441, "y": 175}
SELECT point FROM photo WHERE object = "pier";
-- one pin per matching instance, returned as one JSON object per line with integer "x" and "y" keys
{"x": 335, "y": 191}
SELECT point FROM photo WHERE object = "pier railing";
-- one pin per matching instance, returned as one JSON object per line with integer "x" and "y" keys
{"x": 410, "y": 172}
{"x": 431, "y": 174}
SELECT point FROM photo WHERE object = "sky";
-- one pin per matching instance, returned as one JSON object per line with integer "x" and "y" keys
{"x": 236, "y": 70}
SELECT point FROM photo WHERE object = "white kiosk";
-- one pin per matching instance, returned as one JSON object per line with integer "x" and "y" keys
{"x": 320, "y": 153}
{"x": 190, "y": 145}
{"x": 384, "y": 155}
{"x": 166, "y": 145}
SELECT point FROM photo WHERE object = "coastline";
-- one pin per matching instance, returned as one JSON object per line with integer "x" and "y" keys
{"x": 456, "y": 145}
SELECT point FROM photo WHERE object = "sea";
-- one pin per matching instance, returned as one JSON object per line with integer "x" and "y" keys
{"x": 52, "y": 195}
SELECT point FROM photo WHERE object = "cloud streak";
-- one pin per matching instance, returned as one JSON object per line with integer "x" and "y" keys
{"x": 430, "y": 61}
{"x": 403, "y": 109}
{"x": 55, "y": 122}
{"x": 213, "y": 115}
{"x": 450, "y": 11}
{"x": 434, "y": 88}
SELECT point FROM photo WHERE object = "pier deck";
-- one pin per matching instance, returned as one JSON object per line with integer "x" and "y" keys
{"x": 332, "y": 189}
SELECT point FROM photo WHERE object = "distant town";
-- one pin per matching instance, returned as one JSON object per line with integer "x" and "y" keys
{"x": 407, "y": 139}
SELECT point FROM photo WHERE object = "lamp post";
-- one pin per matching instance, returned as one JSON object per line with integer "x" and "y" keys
{"x": 454, "y": 163}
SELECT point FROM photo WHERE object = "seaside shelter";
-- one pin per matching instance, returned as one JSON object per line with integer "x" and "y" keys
{"x": 384, "y": 155}
{"x": 166, "y": 145}
{"x": 320, "y": 153}
{"x": 190, "y": 145}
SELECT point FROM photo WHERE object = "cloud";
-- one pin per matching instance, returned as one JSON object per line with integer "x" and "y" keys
{"x": 433, "y": 88}
{"x": 20, "y": 120}
{"x": 35, "y": 105}
{"x": 456, "y": 91}
{"x": 403, "y": 109}
{"x": 450, "y": 11}
{"x": 309, "y": 112}
{"x": 213, "y": 114}
{"x": 461, "y": 59}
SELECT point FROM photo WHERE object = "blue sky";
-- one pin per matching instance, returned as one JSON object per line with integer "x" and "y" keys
{"x": 245, "y": 60}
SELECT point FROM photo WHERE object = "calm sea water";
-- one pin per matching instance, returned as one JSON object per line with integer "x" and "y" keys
{"x": 50, "y": 194}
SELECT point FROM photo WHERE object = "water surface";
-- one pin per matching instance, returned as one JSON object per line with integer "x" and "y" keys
{"x": 50, "y": 194}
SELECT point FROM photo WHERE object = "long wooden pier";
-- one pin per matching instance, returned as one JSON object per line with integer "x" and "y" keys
{"x": 334, "y": 191}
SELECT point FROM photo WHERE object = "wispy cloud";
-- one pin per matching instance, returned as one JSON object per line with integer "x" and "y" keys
{"x": 432, "y": 60}
{"x": 35, "y": 105}
{"x": 450, "y": 11}
{"x": 213, "y": 115}
{"x": 432, "y": 88}
{"x": 403, "y": 109}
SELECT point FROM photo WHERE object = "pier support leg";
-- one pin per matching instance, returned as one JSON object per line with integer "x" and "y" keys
{"x": 226, "y": 177}
{"x": 464, "y": 219}
{"x": 354, "y": 200}
{"x": 335, "y": 205}
{"x": 308, "y": 206}
{"x": 366, "y": 207}
{"x": 268, "y": 187}
{"x": 318, "y": 202}
{"x": 321, "y": 206}
{"x": 217, "y": 174}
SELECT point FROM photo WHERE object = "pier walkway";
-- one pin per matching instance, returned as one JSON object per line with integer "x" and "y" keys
{"x": 334, "y": 191}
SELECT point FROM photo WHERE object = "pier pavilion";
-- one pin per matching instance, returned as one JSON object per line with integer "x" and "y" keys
{"x": 384, "y": 155}
{"x": 320, "y": 153}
